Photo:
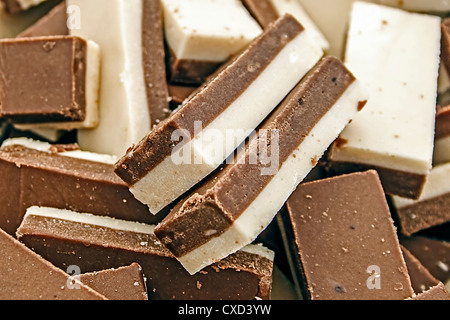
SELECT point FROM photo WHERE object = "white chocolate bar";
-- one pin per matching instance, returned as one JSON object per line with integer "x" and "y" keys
{"x": 206, "y": 30}
{"x": 124, "y": 111}
{"x": 396, "y": 128}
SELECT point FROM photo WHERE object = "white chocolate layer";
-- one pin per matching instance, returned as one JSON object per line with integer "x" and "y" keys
{"x": 242, "y": 116}
{"x": 208, "y": 30}
{"x": 268, "y": 203}
{"x": 437, "y": 184}
{"x": 295, "y": 8}
{"x": 124, "y": 117}
{"x": 396, "y": 128}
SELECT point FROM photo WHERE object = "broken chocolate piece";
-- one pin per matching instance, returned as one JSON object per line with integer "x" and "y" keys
{"x": 96, "y": 243}
{"x": 343, "y": 242}
{"x": 74, "y": 180}
{"x": 133, "y": 92}
{"x": 239, "y": 202}
{"x": 203, "y": 34}
{"x": 438, "y": 292}
{"x": 124, "y": 283}
{"x": 24, "y": 275}
{"x": 394, "y": 133}
{"x": 442, "y": 136}
{"x": 52, "y": 80}
{"x": 194, "y": 141}
{"x": 431, "y": 209}
{"x": 52, "y": 24}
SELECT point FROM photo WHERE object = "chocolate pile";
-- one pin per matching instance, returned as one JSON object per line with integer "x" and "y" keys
{"x": 224, "y": 150}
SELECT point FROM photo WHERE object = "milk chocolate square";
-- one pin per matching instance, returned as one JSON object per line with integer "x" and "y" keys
{"x": 343, "y": 242}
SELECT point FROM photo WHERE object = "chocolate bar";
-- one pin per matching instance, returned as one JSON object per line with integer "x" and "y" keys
{"x": 430, "y": 209}
{"x": 267, "y": 11}
{"x": 194, "y": 141}
{"x": 203, "y": 34}
{"x": 50, "y": 80}
{"x": 343, "y": 242}
{"x": 123, "y": 283}
{"x": 96, "y": 243}
{"x": 230, "y": 209}
{"x": 24, "y": 275}
{"x": 434, "y": 254}
{"x": 62, "y": 177}
{"x": 421, "y": 278}
{"x": 15, "y": 6}
{"x": 438, "y": 292}
{"x": 133, "y": 92}
{"x": 395, "y": 132}
{"x": 52, "y": 24}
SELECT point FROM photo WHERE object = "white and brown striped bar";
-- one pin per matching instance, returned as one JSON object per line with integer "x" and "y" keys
{"x": 267, "y": 11}
{"x": 233, "y": 207}
{"x": 134, "y": 94}
{"x": 97, "y": 243}
{"x": 431, "y": 209}
{"x": 232, "y": 101}
{"x": 395, "y": 132}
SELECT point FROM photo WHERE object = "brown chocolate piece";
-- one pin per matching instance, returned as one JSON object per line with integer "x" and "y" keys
{"x": 421, "y": 278}
{"x": 124, "y": 283}
{"x": 49, "y": 179}
{"x": 442, "y": 122}
{"x": 445, "y": 47}
{"x": 43, "y": 79}
{"x": 438, "y": 292}
{"x": 24, "y": 275}
{"x": 53, "y": 23}
{"x": 224, "y": 197}
{"x": 217, "y": 95}
{"x": 262, "y": 10}
{"x": 179, "y": 94}
{"x": 343, "y": 241}
{"x": 154, "y": 61}
{"x": 434, "y": 254}
{"x": 243, "y": 275}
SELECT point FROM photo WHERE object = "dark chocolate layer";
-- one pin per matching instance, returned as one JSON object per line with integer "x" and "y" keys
{"x": 240, "y": 276}
{"x": 43, "y": 79}
{"x": 262, "y": 10}
{"x": 442, "y": 122}
{"x": 216, "y": 96}
{"x": 154, "y": 61}
{"x": 221, "y": 200}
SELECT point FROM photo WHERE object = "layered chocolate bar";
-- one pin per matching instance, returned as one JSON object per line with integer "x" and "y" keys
{"x": 267, "y": 11}
{"x": 203, "y": 34}
{"x": 95, "y": 243}
{"x": 15, "y": 6}
{"x": 123, "y": 283}
{"x": 24, "y": 275}
{"x": 133, "y": 92}
{"x": 53, "y": 23}
{"x": 61, "y": 176}
{"x": 229, "y": 210}
{"x": 395, "y": 132}
{"x": 206, "y": 130}
{"x": 342, "y": 240}
{"x": 51, "y": 81}
{"x": 431, "y": 209}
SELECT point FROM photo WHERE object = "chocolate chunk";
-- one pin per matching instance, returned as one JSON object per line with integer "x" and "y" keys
{"x": 95, "y": 243}
{"x": 53, "y": 179}
{"x": 343, "y": 242}
{"x": 52, "y": 24}
{"x": 24, "y": 275}
{"x": 438, "y": 292}
{"x": 48, "y": 79}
